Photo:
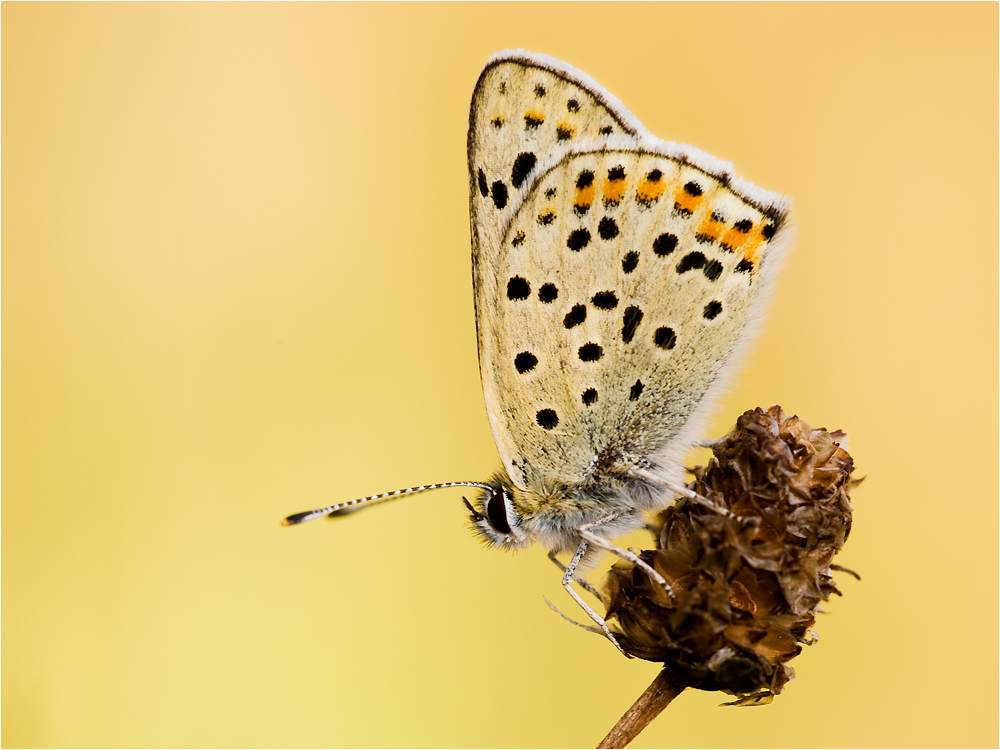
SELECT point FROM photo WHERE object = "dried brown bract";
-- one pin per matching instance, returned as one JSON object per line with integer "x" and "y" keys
{"x": 746, "y": 584}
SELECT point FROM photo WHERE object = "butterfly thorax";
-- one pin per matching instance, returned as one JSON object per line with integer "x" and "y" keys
{"x": 551, "y": 513}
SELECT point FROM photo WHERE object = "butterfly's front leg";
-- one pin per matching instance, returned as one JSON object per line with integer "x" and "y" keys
{"x": 587, "y": 585}
{"x": 588, "y": 535}
{"x": 567, "y": 583}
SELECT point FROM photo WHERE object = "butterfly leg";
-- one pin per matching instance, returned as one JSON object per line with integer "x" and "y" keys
{"x": 681, "y": 490}
{"x": 587, "y": 585}
{"x": 589, "y": 536}
{"x": 567, "y": 583}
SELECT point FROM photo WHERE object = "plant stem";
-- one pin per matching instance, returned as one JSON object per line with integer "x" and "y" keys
{"x": 664, "y": 688}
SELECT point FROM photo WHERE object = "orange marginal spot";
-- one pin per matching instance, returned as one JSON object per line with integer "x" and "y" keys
{"x": 584, "y": 197}
{"x": 750, "y": 255}
{"x": 750, "y": 250}
{"x": 565, "y": 131}
{"x": 734, "y": 238}
{"x": 534, "y": 118}
{"x": 614, "y": 190}
{"x": 649, "y": 190}
{"x": 684, "y": 201}
{"x": 710, "y": 229}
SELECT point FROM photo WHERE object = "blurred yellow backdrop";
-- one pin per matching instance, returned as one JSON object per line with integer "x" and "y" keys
{"x": 236, "y": 285}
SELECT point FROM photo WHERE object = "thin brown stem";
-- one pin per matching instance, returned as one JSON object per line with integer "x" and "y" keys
{"x": 664, "y": 688}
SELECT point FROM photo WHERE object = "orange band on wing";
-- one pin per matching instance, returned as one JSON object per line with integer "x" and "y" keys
{"x": 710, "y": 229}
{"x": 584, "y": 197}
{"x": 614, "y": 190}
{"x": 687, "y": 198}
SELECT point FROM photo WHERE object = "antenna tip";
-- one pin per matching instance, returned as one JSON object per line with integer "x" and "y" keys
{"x": 295, "y": 519}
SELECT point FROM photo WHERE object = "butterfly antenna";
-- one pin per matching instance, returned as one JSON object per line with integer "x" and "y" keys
{"x": 309, "y": 515}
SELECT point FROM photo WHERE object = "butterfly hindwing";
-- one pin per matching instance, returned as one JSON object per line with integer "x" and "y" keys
{"x": 623, "y": 283}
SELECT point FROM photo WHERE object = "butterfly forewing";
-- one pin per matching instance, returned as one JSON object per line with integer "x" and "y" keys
{"x": 623, "y": 283}
{"x": 524, "y": 108}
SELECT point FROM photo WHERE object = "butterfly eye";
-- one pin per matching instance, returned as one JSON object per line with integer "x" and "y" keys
{"x": 496, "y": 512}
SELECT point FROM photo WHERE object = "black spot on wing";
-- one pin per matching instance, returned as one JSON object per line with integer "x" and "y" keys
{"x": 605, "y": 300}
{"x": 665, "y": 338}
{"x": 578, "y": 239}
{"x": 518, "y": 288}
{"x": 630, "y": 323}
{"x": 499, "y": 191}
{"x": 525, "y": 362}
{"x": 691, "y": 261}
{"x": 547, "y": 419}
{"x": 523, "y": 165}
{"x": 665, "y": 244}
{"x": 712, "y": 270}
{"x": 608, "y": 229}
{"x": 575, "y": 316}
{"x": 590, "y": 352}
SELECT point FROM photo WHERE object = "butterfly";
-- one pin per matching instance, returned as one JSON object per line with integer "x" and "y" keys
{"x": 617, "y": 280}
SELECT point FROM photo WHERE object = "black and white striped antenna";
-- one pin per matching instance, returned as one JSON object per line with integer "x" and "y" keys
{"x": 309, "y": 515}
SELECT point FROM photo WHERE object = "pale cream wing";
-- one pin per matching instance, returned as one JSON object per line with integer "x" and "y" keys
{"x": 624, "y": 281}
{"x": 525, "y": 106}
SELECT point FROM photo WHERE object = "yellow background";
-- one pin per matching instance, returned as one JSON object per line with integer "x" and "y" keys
{"x": 236, "y": 285}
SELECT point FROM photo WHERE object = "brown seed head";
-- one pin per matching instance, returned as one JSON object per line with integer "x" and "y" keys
{"x": 745, "y": 588}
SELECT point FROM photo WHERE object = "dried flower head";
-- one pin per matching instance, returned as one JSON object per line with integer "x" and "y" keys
{"x": 746, "y": 585}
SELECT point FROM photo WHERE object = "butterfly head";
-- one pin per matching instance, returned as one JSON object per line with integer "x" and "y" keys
{"x": 496, "y": 518}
